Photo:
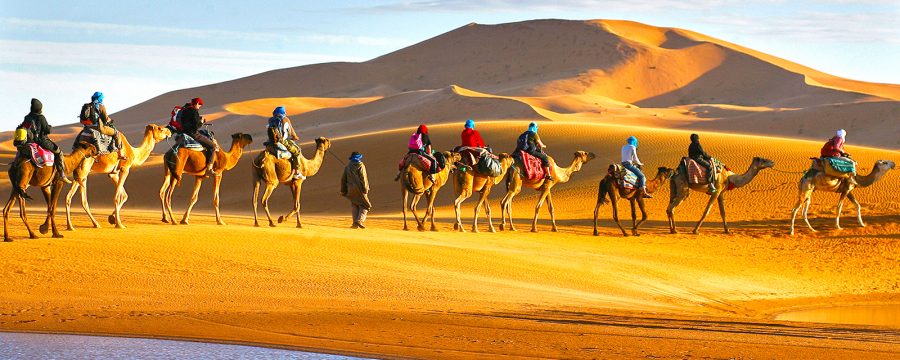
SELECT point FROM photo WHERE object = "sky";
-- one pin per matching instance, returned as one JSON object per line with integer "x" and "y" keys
{"x": 63, "y": 51}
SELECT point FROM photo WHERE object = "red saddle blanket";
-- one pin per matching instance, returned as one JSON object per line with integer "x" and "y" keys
{"x": 696, "y": 173}
{"x": 531, "y": 166}
{"x": 39, "y": 156}
{"x": 426, "y": 163}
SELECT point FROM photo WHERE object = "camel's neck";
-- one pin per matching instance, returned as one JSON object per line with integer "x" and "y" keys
{"x": 871, "y": 177}
{"x": 233, "y": 155}
{"x": 140, "y": 154}
{"x": 564, "y": 174}
{"x": 73, "y": 159}
{"x": 745, "y": 178}
{"x": 311, "y": 166}
{"x": 655, "y": 183}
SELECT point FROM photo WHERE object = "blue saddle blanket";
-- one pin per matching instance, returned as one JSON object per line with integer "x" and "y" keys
{"x": 183, "y": 140}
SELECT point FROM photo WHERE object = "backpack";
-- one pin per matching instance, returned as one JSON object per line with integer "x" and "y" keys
{"x": 175, "y": 118}
{"x": 522, "y": 142}
{"x": 88, "y": 116}
{"x": 489, "y": 165}
{"x": 415, "y": 142}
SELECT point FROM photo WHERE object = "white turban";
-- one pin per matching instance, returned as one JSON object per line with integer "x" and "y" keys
{"x": 842, "y": 133}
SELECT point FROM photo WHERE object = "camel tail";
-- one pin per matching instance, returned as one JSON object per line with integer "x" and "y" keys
{"x": 603, "y": 191}
{"x": 15, "y": 180}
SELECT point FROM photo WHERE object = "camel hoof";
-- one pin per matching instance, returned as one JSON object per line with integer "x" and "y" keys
{"x": 256, "y": 224}
{"x": 635, "y": 234}
{"x": 299, "y": 226}
{"x": 596, "y": 233}
{"x": 673, "y": 231}
{"x": 70, "y": 228}
{"x": 281, "y": 219}
{"x": 111, "y": 219}
{"x": 185, "y": 222}
{"x": 434, "y": 229}
{"x": 534, "y": 230}
{"x": 420, "y": 228}
{"x": 7, "y": 240}
{"x": 862, "y": 225}
{"x": 44, "y": 229}
{"x": 695, "y": 232}
{"x": 493, "y": 230}
{"x": 57, "y": 236}
{"x": 475, "y": 230}
{"x": 554, "y": 230}
{"x": 271, "y": 225}
{"x": 405, "y": 228}
{"x": 32, "y": 236}
{"x": 221, "y": 223}
{"x": 120, "y": 226}
{"x": 165, "y": 220}
{"x": 727, "y": 232}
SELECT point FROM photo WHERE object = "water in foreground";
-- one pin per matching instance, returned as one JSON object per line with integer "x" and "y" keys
{"x": 47, "y": 346}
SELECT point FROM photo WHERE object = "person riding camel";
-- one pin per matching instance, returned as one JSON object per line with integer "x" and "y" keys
{"x": 37, "y": 125}
{"x": 696, "y": 153}
{"x": 531, "y": 143}
{"x": 284, "y": 131}
{"x": 420, "y": 143}
{"x": 470, "y": 137}
{"x": 99, "y": 120}
{"x": 191, "y": 122}
{"x": 834, "y": 148}
{"x": 631, "y": 162}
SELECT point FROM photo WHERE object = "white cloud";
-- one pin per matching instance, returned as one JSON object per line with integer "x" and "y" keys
{"x": 544, "y": 6}
{"x": 816, "y": 26}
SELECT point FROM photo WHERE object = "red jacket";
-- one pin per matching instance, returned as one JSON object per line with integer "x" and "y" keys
{"x": 833, "y": 148}
{"x": 471, "y": 138}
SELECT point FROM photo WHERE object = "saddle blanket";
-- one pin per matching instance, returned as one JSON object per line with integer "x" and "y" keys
{"x": 39, "y": 156}
{"x": 426, "y": 163}
{"x": 531, "y": 166}
{"x": 105, "y": 144}
{"x": 623, "y": 176}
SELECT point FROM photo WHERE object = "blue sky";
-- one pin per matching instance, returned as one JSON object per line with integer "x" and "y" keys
{"x": 62, "y": 51}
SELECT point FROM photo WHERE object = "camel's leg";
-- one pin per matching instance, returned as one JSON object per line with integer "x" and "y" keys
{"x": 54, "y": 199}
{"x": 198, "y": 181}
{"x": 804, "y": 197}
{"x": 552, "y": 212}
{"x": 297, "y": 195}
{"x": 537, "y": 208}
{"x": 24, "y": 216}
{"x": 614, "y": 203}
{"x": 69, "y": 195}
{"x": 796, "y": 208}
{"x": 503, "y": 203}
{"x": 487, "y": 212}
{"x": 6, "y": 208}
{"x": 506, "y": 203}
{"x": 840, "y": 207}
{"x": 217, "y": 185}
{"x": 167, "y": 181}
{"x": 456, "y": 206}
{"x": 678, "y": 194}
{"x": 806, "y": 212}
{"x": 721, "y": 200}
{"x": 633, "y": 214}
{"x": 255, "y": 200}
{"x": 403, "y": 207}
{"x": 430, "y": 212}
{"x": 420, "y": 223}
{"x": 45, "y": 226}
{"x": 265, "y": 202}
{"x": 596, "y": 213}
{"x": 643, "y": 207}
{"x": 709, "y": 205}
{"x": 858, "y": 209}
{"x": 120, "y": 197}
{"x": 169, "y": 191}
{"x": 294, "y": 186}
{"x": 477, "y": 211}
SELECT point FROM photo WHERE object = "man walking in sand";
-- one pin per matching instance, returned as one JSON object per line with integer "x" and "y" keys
{"x": 355, "y": 187}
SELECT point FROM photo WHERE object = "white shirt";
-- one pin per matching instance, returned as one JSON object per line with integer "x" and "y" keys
{"x": 629, "y": 154}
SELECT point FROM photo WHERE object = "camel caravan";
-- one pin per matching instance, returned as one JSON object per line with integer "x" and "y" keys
{"x": 472, "y": 168}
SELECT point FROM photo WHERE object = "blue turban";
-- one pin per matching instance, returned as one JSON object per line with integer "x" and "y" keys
{"x": 98, "y": 97}
{"x": 355, "y": 157}
{"x": 279, "y": 111}
{"x": 470, "y": 124}
{"x": 533, "y": 127}
{"x": 632, "y": 141}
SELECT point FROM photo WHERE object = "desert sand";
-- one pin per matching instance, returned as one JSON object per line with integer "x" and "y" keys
{"x": 388, "y": 293}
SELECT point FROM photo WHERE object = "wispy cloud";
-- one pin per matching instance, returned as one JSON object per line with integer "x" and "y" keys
{"x": 200, "y": 34}
{"x": 819, "y": 26}
{"x": 543, "y": 6}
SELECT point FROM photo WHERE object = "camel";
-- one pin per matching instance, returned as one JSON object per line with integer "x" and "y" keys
{"x": 515, "y": 182}
{"x": 469, "y": 182}
{"x": 725, "y": 180}
{"x": 193, "y": 162}
{"x": 415, "y": 181}
{"x": 105, "y": 164}
{"x": 270, "y": 171}
{"x": 818, "y": 181}
{"x": 611, "y": 187}
{"x": 23, "y": 173}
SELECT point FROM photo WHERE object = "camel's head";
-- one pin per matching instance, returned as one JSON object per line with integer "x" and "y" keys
{"x": 885, "y": 165}
{"x": 451, "y": 158}
{"x": 159, "y": 133}
{"x": 762, "y": 163}
{"x": 242, "y": 139}
{"x": 665, "y": 172}
{"x": 323, "y": 143}
{"x": 582, "y": 157}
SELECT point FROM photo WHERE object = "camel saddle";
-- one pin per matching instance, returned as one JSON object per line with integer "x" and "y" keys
{"x": 624, "y": 177}
{"x": 105, "y": 144}
{"x": 278, "y": 150}
{"x": 470, "y": 155}
{"x": 839, "y": 167}
{"x": 38, "y": 156}
{"x": 185, "y": 141}
{"x": 531, "y": 166}
{"x": 696, "y": 173}
{"x": 410, "y": 158}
